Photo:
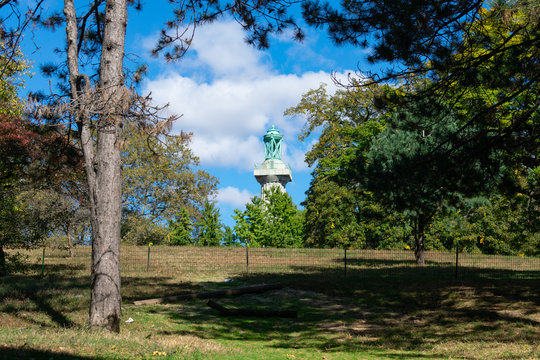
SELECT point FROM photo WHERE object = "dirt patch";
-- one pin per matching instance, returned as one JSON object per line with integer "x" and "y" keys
{"x": 310, "y": 297}
{"x": 359, "y": 327}
{"x": 11, "y": 322}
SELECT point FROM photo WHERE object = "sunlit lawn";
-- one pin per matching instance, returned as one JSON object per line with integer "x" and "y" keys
{"x": 384, "y": 308}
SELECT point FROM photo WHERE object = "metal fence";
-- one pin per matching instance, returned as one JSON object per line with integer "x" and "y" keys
{"x": 180, "y": 261}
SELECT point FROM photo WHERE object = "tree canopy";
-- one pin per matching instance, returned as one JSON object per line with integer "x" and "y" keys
{"x": 460, "y": 118}
{"x": 33, "y": 158}
{"x": 160, "y": 176}
{"x": 273, "y": 222}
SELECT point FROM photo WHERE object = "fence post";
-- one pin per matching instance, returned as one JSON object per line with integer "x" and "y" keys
{"x": 148, "y": 259}
{"x": 247, "y": 258}
{"x": 43, "y": 263}
{"x": 457, "y": 259}
{"x": 345, "y": 261}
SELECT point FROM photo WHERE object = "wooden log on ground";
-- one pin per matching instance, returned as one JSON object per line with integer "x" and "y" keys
{"x": 252, "y": 312}
{"x": 212, "y": 294}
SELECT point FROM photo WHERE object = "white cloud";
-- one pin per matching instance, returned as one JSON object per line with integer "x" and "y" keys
{"x": 221, "y": 46}
{"x": 230, "y": 111}
{"x": 295, "y": 158}
{"x": 233, "y": 196}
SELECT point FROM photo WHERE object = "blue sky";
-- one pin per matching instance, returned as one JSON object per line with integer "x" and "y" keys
{"x": 229, "y": 94}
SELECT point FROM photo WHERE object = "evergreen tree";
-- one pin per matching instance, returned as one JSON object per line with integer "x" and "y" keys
{"x": 229, "y": 237}
{"x": 339, "y": 211}
{"x": 250, "y": 226}
{"x": 181, "y": 229}
{"x": 209, "y": 229}
{"x": 274, "y": 222}
{"x": 415, "y": 166}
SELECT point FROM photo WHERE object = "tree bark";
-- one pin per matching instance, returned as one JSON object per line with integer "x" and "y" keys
{"x": 3, "y": 265}
{"x": 419, "y": 246}
{"x": 105, "y": 301}
{"x": 69, "y": 241}
{"x": 103, "y": 159}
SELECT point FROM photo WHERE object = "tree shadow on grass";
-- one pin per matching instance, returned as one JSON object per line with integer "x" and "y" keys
{"x": 370, "y": 262}
{"x": 412, "y": 309}
{"x": 137, "y": 288}
{"x": 11, "y": 353}
{"x": 22, "y": 297}
{"x": 61, "y": 297}
{"x": 51, "y": 269}
{"x": 399, "y": 307}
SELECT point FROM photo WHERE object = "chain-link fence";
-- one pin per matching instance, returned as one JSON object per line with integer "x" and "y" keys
{"x": 186, "y": 261}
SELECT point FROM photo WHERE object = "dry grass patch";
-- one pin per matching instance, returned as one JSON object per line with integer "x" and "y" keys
{"x": 492, "y": 350}
{"x": 127, "y": 345}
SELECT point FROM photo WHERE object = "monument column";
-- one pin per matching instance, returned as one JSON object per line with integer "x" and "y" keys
{"x": 273, "y": 172}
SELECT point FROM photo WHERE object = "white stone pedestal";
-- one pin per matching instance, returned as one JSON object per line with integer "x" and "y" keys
{"x": 272, "y": 172}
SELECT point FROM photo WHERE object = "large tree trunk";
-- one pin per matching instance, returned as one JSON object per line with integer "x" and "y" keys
{"x": 105, "y": 301}
{"x": 103, "y": 160}
{"x": 3, "y": 265}
{"x": 419, "y": 246}
{"x": 70, "y": 245}
{"x": 69, "y": 240}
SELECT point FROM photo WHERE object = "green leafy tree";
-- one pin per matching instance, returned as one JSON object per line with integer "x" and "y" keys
{"x": 33, "y": 158}
{"x": 274, "y": 222}
{"x": 414, "y": 166}
{"x": 65, "y": 211}
{"x": 181, "y": 229}
{"x": 102, "y": 103}
{"x": 250, "y": 226}
{"x": 13, "y": 68}
{"x": 140, "y": 230}
{"x": 332, "y": 216}
{"x": 458, "y": 53}
{"x": 209, "y": 229}
{"x": 285, "y": 223}
{"x": 20, "y": 226}
{"x": 160, "y": 175}
{"x": 229, "y": 237}
{"x": 339, "y": 212}
{"x": 457, "y": 226}
{"x": 478, "y": 56}
{"x": 495, "y": 225}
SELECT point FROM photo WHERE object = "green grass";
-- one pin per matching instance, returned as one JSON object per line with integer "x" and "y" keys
{"x": 386, "y": 307}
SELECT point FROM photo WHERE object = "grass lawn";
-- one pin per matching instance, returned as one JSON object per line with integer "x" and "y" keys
{"x": 386, "y": 308}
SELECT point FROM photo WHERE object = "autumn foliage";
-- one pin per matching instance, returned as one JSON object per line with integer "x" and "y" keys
{"x": 30, "y": 152}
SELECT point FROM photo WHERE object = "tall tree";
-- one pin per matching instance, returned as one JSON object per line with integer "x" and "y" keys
{"x": 339, "y": 212}
{"x": 458, "y": 53}
{"x": 209, "y": 229}
{"x": 32, "y": 157}
{"x": 401, "y": 170}
{"x": 468, "y": 49}
{"x": 102, "y": 158}
{"x": 101, "y": 104}
{"x": 160, "y": 176}
{"x": 181, "y": 229}
{"x": 273, "y": 222}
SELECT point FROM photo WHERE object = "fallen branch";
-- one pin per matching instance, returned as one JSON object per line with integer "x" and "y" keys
{"x": 251, "y": 312}
{"x": 212, "y": 294}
